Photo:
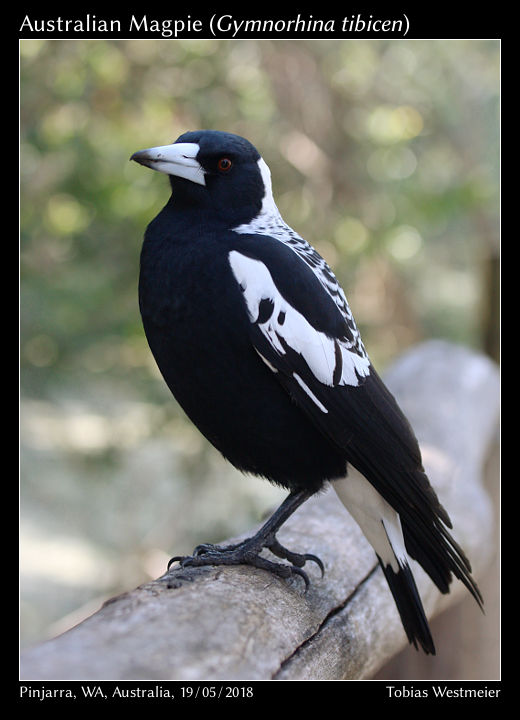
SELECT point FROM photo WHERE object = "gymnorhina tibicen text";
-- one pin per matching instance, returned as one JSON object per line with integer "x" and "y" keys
{"x": 254, "y": 337}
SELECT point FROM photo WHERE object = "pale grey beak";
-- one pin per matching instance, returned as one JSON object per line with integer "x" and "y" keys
{"x": 178, "y": 159}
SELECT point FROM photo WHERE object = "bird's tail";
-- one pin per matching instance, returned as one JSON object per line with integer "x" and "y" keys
{"x": 381, "y": 526}
{"x": 406, "y": 596}
{"x": 439, "y": 555}
{"x": 423, "y": 536}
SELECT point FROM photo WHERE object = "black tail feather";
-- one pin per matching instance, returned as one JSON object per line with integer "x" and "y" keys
{"x": 409, "y": 605}
{"x": 440, "y": 556}
{"x": 425, "y": 526}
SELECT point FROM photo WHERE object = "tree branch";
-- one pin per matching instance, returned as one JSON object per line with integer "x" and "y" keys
{"x": 243, "y": 623}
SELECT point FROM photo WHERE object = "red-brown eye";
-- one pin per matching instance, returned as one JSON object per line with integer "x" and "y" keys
{"x": 224, "y": 164}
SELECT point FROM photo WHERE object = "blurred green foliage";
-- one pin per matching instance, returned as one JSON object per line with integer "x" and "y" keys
{"x": 384, "y": 155}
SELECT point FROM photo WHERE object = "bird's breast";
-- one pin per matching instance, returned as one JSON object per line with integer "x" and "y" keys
{"x": 198, "y": 329}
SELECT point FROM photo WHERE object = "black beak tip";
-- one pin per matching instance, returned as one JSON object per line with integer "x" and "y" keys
{"x": 139, "y": 157}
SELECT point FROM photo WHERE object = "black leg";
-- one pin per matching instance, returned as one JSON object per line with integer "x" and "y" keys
{"x": 248, "y": 551}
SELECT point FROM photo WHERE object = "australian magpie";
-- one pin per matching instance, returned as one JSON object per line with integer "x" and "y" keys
{"x": 255, "y": 338}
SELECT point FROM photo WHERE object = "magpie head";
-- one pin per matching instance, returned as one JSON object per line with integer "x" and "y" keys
{"x": 217, "y": 173}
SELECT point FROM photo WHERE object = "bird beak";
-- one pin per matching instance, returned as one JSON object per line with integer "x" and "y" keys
{"x": 178, "y": 159}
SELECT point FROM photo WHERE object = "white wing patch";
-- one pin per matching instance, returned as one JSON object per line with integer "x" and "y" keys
{"x": 330, "y": 360}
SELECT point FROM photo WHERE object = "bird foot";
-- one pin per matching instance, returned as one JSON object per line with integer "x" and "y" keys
{"x": 248, "y": 553}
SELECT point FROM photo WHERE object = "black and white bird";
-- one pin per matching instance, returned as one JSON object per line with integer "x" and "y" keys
{"x": 255, "y": 339}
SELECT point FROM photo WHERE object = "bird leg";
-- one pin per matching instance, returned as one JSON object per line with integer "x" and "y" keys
{"x": 248, "y": 551}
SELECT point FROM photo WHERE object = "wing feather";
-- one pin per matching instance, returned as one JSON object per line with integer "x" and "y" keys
{"x": 341, "y": 393}
{"x": 330, "y": 359}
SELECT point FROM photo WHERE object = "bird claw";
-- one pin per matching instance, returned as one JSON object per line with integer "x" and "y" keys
{"x": 296, "y": 559}
{"x": 176, "y": 558}
{"x": 248, "y": 553}
{"x": 199, "y": 550}
{"x": 316, "y": 559}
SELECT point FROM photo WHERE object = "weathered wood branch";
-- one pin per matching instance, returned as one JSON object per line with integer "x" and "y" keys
{"x": 243, "y": 623}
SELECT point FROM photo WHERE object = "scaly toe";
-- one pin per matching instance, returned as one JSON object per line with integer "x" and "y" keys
{"x": 296, "y": 559}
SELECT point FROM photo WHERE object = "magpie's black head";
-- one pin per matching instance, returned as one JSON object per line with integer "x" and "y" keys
{"x": 218, "y": 174}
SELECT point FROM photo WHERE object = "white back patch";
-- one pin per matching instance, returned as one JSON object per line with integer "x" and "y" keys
{"x": 268, "y": 220}
{"x": 268, "y": 204}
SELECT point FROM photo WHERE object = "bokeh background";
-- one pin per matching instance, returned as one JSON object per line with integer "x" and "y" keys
{"x": 384, "y": 155}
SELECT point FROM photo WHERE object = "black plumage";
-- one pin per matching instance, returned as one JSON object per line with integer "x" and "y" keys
{"x": 254, "y": 337}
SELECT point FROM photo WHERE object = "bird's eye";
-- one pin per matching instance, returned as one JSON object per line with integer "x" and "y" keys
{"x": 224, "y": 164}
